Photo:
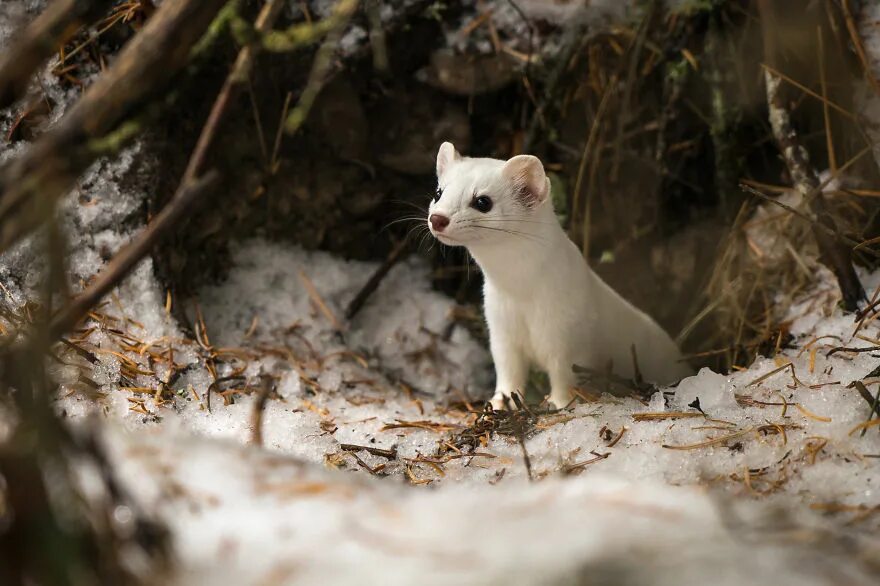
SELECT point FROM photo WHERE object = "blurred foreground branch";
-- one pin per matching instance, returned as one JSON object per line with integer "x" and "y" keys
{"x": 31, "y": 184}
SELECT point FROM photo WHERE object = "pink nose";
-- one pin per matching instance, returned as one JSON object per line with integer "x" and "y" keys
{"x": 439, "y": 222}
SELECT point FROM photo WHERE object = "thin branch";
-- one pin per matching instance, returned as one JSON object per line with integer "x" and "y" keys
{"x": 306, "y": 33}
{"x": 131, "y": 254}
{"x": 322, "y": 67}
{"x": 236, "y": 79}
{"x": 375, "y": 280}
{"x": 832, "y": 232}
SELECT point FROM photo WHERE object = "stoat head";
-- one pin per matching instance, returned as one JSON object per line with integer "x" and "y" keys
{"x": 486, "y": 200}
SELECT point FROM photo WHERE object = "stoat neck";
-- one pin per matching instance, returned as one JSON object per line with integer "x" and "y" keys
{"x": 514, "y": 262}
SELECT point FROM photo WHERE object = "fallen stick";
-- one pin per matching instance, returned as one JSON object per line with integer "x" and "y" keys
{"x": 266, "y": 388}
{"x": 375, "y": 280}
{"x": 387, "y": 454}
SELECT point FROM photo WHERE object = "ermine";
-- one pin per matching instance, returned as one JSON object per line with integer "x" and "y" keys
{"x": 544, "y": 305}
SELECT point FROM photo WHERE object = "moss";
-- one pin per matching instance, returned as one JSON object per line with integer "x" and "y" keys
{"x": 114, "y": 142}
{"x": 227, "y": 15}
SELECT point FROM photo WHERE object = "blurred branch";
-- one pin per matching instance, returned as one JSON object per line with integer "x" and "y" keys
{"x": 42, "y": 503}
{"x": 190, "y": 188}
{"x": 39, "y": 40}
{"x": 31, "y": 184}
{"x": 836, "y": 255}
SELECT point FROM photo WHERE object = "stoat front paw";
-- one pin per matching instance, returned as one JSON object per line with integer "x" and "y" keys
{"x": 501, "y": 401}
{"x": 558, "y": 400}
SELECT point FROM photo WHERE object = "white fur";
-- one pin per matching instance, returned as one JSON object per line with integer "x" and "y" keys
{"x": 544, "y": 305}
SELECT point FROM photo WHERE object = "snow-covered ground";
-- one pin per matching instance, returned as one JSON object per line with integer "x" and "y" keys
{"x": 772, "y": 483}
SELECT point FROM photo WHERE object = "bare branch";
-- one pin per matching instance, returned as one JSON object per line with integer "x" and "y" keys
{"x": 131, "y": 254}
{"x": 31, "y": 184}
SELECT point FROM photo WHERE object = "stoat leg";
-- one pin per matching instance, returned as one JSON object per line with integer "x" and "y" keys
{"x": 511, "y": 371}
{"x": 561, "y": 381}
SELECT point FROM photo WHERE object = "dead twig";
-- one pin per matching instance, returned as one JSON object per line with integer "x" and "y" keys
{"x": 375, "y": 280}
{"x": 319, "y": 302}
{"x": 266, "y": 388}
{"x": 830, "y": 231}
{"x": 579, "y": 466}
{"x": 873, "y": 402}
{"x": 387, "y": 454}
{"x": 854, "y": 350}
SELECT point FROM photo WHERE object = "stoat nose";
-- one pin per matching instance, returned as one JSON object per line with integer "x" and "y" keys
{"x": 439, "y": 222}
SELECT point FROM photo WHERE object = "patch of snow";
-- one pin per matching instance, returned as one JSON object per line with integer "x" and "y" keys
{"x": 244, "y": 516}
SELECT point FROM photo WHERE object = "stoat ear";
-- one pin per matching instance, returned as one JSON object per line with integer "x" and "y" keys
{"x": 526, "y": 174}
{"x": 445, "y": 157}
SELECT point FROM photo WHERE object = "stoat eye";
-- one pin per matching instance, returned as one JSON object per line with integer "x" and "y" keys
{"x": 482, "y": 203}
{"x": 438, "y": 195}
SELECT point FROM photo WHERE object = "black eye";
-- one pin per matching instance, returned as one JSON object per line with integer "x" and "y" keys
{"x": 438, "y": 195}
{"x": 482, "y": 203}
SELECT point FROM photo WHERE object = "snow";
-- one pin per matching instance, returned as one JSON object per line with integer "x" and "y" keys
{"x": 241, "y": 516}
{"x": 288, "y": 511}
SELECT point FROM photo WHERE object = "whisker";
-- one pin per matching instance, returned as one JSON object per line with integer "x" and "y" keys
{"x": 502, "y": 220}
{"x": 425, "y": 234}
{"x": 403, "y": 219}
{"x": 421, "y": 208}
{"x": 526, "y": 235}
{"x": 414, "y": 230}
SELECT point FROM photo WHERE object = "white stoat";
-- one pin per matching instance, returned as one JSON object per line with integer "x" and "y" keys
{"x": 544, "y": 305}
